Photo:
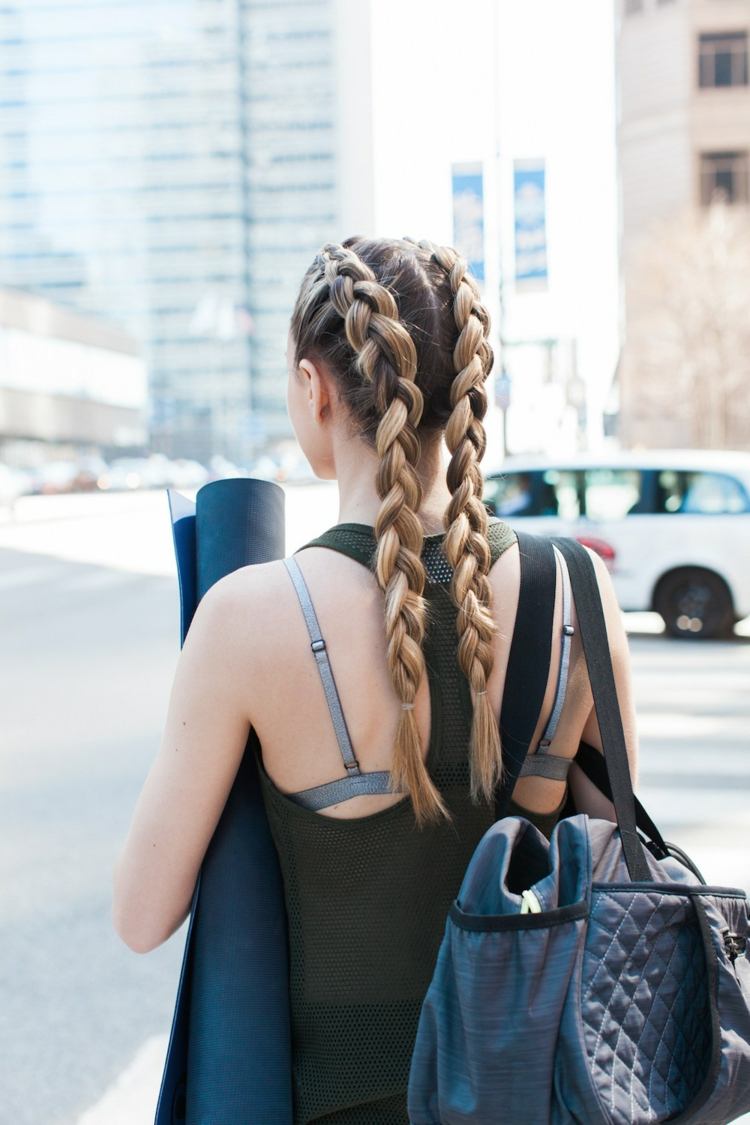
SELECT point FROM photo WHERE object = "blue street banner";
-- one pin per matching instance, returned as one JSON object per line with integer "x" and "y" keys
{"x": 468, "y": 215}
{"x": 530, "y": 223}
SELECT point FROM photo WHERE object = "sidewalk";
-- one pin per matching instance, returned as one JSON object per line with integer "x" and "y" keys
{"x": 132, "y": 1097}
{"x": 131, "y": 530}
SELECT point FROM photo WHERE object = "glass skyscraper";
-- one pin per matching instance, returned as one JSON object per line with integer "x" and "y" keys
{"x": 172, "y": 165}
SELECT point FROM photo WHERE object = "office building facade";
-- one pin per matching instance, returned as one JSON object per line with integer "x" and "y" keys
{"x": 67, "y": 383}
{"x": 172, "y": 166}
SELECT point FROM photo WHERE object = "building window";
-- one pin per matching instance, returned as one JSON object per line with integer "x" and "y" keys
{"x": 722, "y": 59}
{"x": 633, "y": 6}
{"x": 724, "y": 177}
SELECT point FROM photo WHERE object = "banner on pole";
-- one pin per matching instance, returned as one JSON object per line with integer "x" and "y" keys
{"x": 530, "y": 223}
{"x": 468, "y": 215}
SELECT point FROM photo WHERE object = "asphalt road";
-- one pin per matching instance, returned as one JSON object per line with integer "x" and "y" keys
{"x": 87, "y": 654}
{"x": 86, "y": 657}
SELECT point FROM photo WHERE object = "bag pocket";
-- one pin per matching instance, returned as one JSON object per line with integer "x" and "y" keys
{"x": 490, "y": 1020}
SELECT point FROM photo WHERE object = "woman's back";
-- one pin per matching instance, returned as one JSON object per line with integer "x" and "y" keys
{"x": 367, "y": 893}
{"x": 285, "y": 694}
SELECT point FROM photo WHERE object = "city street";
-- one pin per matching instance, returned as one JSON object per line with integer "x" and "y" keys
{"x": 204, "y": 272}
{"x": 89, "y": 610}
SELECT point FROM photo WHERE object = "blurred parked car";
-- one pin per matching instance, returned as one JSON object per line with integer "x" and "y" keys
{"x": 54, "y": 477}
{"x": 295, "y": 468}
{"x": 89, "y": 469}
{"x": 265, "y": 467}
{"x": 673, "y": 526}
{"x": 220, "y": 468}
{"x": 13, "y": 483}
{"x": 158, "y": 470}
{"x": 127, "y": 473}
{"x": 187, "y": 474}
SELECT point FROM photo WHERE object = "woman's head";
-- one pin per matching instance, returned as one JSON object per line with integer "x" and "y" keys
{"x": 399, "y": 330}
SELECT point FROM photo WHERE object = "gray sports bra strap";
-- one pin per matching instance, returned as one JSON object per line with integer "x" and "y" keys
{"x": 333, "y": 792}
{"x": 318, "y": 647}
{"x": 542, "y": 763}
{"x": 562, "y": 675}
{"x": 552, "y": 766}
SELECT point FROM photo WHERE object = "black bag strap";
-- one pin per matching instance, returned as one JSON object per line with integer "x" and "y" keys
{"x": 528, "y": 661}
{"x": 592, "y": 764}
{"x": 601, "y": 676}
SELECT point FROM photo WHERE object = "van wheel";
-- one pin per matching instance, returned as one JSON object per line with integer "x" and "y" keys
{"x": 695, "y": 603}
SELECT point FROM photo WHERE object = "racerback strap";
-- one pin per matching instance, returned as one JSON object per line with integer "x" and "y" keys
{"x": 525, "y": 686}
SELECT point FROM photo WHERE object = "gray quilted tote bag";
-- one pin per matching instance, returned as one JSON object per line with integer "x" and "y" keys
{"x": 593, "y": 978}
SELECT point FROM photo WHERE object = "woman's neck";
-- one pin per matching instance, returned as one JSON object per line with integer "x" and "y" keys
{"x": 356, "y": 468}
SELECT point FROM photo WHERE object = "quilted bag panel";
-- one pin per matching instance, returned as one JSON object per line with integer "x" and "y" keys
{"x": 645, "y": 1003}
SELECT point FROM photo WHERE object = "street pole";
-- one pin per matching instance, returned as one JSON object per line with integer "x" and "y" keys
{"x": 502, "y": 401}
{"x": 502, "y": 380}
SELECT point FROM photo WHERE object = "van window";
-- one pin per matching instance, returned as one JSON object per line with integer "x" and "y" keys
{"x": 554, "y": 492}
{"x": 511, "y": 494}
{"x": 700, "y": 493}
{"x": 562, "y": 490}
{"x": 613, "y": 493}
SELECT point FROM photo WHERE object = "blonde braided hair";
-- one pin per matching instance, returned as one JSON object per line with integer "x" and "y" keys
{"x": 403, "y": 374}
{"x": 386, "y": 360}
{"x": 466, "y": 519}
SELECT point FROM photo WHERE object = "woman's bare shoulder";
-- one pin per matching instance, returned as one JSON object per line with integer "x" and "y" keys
{"x": 505, "y": 583}
{"x": 248, "y": 602}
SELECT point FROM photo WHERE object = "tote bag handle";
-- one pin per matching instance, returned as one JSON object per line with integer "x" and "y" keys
{"x": 593, "y": 629}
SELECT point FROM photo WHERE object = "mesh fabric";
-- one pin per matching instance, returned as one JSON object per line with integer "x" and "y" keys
{"x": 367, "y": 897}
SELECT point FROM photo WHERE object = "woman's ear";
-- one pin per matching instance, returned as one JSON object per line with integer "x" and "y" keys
{"x": 317, "y": 391}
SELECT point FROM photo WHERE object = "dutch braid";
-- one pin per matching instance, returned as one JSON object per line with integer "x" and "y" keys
{"x": 386, "y": 359}
{"x": 466, "y": 519}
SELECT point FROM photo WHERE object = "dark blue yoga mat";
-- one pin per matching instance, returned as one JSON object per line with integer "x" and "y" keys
{"x": 229, "y": 1055}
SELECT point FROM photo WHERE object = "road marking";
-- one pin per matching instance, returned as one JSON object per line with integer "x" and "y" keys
{"x": 132, "y": 1097}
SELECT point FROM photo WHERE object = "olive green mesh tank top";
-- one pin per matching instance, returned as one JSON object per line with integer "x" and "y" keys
{"x": 367, "y": 898}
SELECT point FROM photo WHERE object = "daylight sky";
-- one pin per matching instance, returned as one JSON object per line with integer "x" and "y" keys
{"x": 461, "y": 81}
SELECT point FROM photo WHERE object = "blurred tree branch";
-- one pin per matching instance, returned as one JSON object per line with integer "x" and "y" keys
{"x": 688, "y": 342}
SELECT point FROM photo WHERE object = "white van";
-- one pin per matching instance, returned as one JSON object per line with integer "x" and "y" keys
{"x": 673, "y": 526}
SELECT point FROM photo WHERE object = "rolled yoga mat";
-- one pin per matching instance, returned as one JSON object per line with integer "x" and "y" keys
{"x": 229, "y": 1058}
